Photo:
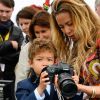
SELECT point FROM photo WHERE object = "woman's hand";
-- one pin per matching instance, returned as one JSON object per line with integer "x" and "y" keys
{"x": 75, "y": 77}
{"x": 56, "y": 83}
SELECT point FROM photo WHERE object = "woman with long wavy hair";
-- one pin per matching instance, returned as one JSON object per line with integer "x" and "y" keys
{"x": 76, "y": 35}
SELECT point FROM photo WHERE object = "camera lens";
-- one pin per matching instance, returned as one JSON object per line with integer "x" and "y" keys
{"x": 69, "y": 89}
{"x": 67, "y": 86}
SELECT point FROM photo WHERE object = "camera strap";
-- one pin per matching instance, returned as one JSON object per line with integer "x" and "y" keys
{"x": 60, "y": 97}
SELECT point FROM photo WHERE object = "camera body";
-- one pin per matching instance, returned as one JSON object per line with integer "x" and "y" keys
{"x": 65, "y": 72}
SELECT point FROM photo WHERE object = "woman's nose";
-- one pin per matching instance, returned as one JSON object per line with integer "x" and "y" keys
{"x": 23, "y": 27}
{"x": 67, "y": 31}
{"x": 40, "y": 36}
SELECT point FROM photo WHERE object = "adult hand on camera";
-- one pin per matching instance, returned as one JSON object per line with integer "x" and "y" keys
{"x": 56, "y": 82}
{"x": 75, "y": 77}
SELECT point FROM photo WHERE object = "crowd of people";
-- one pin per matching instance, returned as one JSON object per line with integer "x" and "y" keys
{"x": 69, "y": 34}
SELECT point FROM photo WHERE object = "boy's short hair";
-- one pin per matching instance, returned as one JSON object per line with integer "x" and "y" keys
{"x": 8, "y": 3}
{"x": 39, "y": 45}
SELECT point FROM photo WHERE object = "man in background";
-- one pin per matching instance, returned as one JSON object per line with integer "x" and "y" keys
{"x": 10, "y": 41}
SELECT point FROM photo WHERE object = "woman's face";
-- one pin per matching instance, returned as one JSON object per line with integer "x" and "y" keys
{"x": 66, "y": 25}
{"x": 42, "y": 32}
{"x": 24, "y": 25}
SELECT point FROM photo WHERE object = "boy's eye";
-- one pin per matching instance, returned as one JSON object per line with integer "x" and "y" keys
{"x": 50, "y": 59}
{"x": 39, "y": 59}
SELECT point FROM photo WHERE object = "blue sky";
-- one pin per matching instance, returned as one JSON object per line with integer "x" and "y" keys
{"x": 22, "y": 3}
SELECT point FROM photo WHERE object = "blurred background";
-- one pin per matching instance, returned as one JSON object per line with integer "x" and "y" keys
{"x": 22, "y": 3}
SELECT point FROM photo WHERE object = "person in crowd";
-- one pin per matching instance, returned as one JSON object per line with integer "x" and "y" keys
{"x": 76, "y": 36}
{"x": 39, "y": 28}
{"x": 10, "y": 40}
{"x": 23, "y": 19}
{"x": 41, "y": 54}
{"x": 97, "y": 6}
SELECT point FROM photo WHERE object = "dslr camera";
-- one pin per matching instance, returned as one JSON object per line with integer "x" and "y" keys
{"x": 65, "y": 72}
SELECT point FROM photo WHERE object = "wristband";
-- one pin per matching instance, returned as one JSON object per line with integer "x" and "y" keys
{"x": 93, "y": 93}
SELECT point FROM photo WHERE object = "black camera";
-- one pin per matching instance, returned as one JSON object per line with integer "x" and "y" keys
{"x": 67, "y": 86}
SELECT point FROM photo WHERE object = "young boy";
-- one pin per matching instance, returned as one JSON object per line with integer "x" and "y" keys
{"x": 41, "y": 54}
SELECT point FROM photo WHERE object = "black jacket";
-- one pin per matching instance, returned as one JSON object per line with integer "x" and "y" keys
{"x": 8, "y": 55}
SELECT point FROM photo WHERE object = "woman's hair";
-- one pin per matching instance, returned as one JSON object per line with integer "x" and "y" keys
{"x": 41, "y": 18}
{"x": 26, "y": 13}
{"x": 86, "y": 25}
{"x": 39, "y": 45}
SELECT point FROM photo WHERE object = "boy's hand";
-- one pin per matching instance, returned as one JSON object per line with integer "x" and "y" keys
{"x": 44, "y": 81}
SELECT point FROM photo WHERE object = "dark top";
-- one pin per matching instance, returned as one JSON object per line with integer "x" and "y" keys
{"x": 8, "y": 55}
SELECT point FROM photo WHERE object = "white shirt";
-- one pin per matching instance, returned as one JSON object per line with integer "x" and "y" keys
{"x": 38, "y": 97}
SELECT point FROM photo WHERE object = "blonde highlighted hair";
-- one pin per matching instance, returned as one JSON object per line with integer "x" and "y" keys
{"x": 86, "y": 25}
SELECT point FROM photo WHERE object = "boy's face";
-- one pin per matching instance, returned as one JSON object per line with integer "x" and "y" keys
{"x": 41, "y": 60}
